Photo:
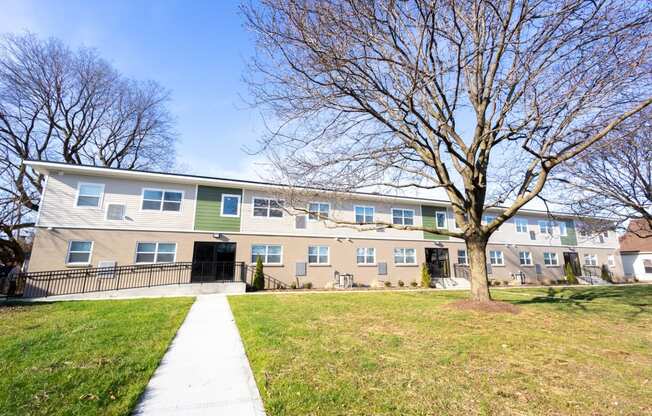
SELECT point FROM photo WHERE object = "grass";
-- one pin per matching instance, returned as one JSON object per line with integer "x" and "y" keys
{"x": 83, "y": 358}
{"x": 568, "y": 352}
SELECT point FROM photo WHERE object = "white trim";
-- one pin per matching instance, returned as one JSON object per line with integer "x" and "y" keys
{"x": 328, "y": 255}
{"x": 445, "y": 212}
{"x": 466, "y": 257}
{"x": 521, "y": 220}
{"x": 414, "y": 215}
{"x": 163, "y": 190}
{"x": 364, "y": 207}
{"x": 404, "y": 256}
{"x": 267, "y": 245}
{"x": 237, "y": 215}
{"x": 366, "y": 254}
{"x": 320, "y": 203}
{"x": 556, "y": 257}
{"x": 99, "y": 203}
{"x": 90, "y": 255}
{"x": 502, "y": 257}
{"x": 156, "y": 243}
{"x": 41, "y": 200}
{"x": 194, "y": 207}
{"x": 527, "y": 257}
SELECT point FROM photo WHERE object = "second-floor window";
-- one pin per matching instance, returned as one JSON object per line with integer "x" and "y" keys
{"x": 545, "y": 227}
{"x": 160, "y": 200}
{"x": 550, "y": 259}
{"x": 496, "y": 258}
{"x": 402, "y": 216}
{"x": 521, "y": 225}
{"x": 265, "y": 207}
{"x": 462, "y": 257}
{"x": 364, "y": 215}
{"x": 440, "y": 219}
{"x": 365, "y": 255}
{"x": 525, "y": 258}
{"x": 89, "y": 195}
{"x": 318, "y": 211}
{"x": 562, "y": 229}
{"x": 230, "y": 205}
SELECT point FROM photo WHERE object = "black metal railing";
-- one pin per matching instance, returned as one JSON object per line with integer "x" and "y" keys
{"x": 98, "y": 279}
{"x": 270, "y": 283}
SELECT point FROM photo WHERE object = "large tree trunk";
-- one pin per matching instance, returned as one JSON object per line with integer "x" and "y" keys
{"x": 477, "y": 249}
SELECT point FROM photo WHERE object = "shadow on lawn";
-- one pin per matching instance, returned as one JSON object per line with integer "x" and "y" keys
{"x": 639, "y": 297}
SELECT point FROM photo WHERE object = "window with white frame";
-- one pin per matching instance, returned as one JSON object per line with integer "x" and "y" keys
{"x": 563, "y": 231}
{"x": 318, "y": 255}
{"x": 89, "y": 195}
{"x": 230, "y": 205}
{"x": 402, "y": 216}
{"x": 496, "y": 258}
{"x": 462, "y": 257}
{"x": 364, "y": 215}
{"x": 545, "y": 227}
{"x": 521, "y": 225}
{"x": 79, "y": 252}
{"x": 155, "y": 252}
{"x": 440, "y": 219}
{"x": 365, "y": 255}
{"x": 525, "y": 258}
{"x": 160, "y": 200}
{"x": 270, "y": 208}
{"x": 550, "y": 259}
{"x": 269, "y": 254}
{"x": 590, "y": 260}
{"x": 405, "y": 256}
{"x": 611, "y": 261}
{"x": 318, "y": 211}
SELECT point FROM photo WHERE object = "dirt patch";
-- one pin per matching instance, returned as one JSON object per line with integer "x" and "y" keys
{"x": 491, "y": 306}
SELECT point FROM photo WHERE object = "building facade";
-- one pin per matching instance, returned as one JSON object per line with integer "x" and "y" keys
{"x": 93, "y": 216}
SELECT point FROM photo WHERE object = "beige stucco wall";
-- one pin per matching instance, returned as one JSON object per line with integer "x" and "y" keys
{"x": 50, "y": 248}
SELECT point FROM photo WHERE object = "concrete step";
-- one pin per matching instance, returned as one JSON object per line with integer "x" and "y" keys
{"x": 452, "y": 283}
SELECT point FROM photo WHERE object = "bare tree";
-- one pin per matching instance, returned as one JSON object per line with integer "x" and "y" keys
{"x": 482, "y": 99}
{"x": 71, "y": 106}
{"x": 613, "y": 180}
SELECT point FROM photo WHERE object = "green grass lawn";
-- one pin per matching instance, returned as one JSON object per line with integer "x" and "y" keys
{"x": 83, "y": 358}
{"x": 569, "y": 352}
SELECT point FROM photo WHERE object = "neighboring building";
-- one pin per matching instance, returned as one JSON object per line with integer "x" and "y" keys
{"x": 636, "y": 250}
{"x": 92, "y": 215}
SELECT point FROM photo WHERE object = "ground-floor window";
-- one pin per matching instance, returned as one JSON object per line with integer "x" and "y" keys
{"x": 462, "y": 257}
{"x": 496, "y": 258}
{"x": 366, "y": 255}
{"x": 590, "y": 260}
{"x": 156, "y": 252}
{"x": 318, "y": 255}
{"x": 269, "y": 254}
{"x": 79, "y": 252}
{"x": 611, "y": 261}
{"x": 405, "y": 256}
{"x": 550, "y": 259}
{"x": 525, "y": 258}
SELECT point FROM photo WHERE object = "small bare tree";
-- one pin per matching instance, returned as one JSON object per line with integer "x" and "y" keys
{"x": 613, "y": 180}
{"x": 71, "y": 106}
{"x": 482, "y": 99}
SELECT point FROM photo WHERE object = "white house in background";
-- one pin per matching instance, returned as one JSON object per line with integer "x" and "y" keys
{"x": 636, "y": 251}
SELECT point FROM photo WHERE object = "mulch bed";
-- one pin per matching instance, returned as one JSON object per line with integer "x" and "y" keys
{"x": 491, "y": 306}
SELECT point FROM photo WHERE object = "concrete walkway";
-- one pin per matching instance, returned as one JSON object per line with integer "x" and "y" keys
{"x": 205, "y": 371}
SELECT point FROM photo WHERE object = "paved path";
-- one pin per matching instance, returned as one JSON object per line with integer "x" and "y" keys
{"x": 205, "y": 371}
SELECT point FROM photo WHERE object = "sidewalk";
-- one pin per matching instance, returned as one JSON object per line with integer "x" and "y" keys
{"x": 205, "y": 371}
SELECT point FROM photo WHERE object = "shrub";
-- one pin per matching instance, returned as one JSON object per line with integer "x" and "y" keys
{"x": 425, "y": 276}
{"x": 605, "y": 274}
{"x": 414, "y": 283}
{"x": 293, "y": 285}
{"x": 307, "y": 285}
{"x": 259, "y": 277}
{"x": 401, "y": 283}
{"x": 387, "y": 283}
{"x": 570, "y": 274}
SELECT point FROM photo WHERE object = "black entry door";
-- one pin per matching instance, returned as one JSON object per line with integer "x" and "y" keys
{"x": 437, "y": 260}
{"x": 574, "y": 260}
{"x": 213, "y": 261}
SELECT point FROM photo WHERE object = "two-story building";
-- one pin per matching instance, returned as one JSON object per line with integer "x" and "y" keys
{"x": 91, "y": 216}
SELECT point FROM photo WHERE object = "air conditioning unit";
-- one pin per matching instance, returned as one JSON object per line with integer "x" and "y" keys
{"x": 107, "y": 269}
{"x": 116, "y": 212}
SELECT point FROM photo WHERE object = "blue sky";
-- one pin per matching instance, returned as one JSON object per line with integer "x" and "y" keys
{"x": 196, "y": 49}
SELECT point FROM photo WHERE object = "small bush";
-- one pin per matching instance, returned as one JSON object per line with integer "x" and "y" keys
{"x": 570, "y": 274}
{"x": 425, "y": 276}
{"x": 401, "y": 283}
{"x": 293, "y": 285}
{"x": 307, "y": 285}
{"x": 605, "y": 274}
{"x": 259, "y": 276}
{"x": 414, "y": 283}
{"x": 388, "y": 283}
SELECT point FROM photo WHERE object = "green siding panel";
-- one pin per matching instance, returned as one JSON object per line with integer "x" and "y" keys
{"x": 428, "y": 215}
{"x": 209, "y": 208}
{"x": 571, "y": 237}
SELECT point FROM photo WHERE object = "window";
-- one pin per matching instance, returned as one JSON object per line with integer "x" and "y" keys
{"x": 405, "y": 256}
{"x": 496, "y": 258}
{"x": 525, "y": 258}
{"x": 79, "y": 252}
{"x": 562, "y": 229}
{"x": 269, "y": 254}
{"x": 402, "y": 216}
{"x": 155, "y": 252}
{"x": 545, "y": 227}
{"x": 611, "y": 262}
{"x": 462, "y": 258}
{"x": 590, "y": 260}
{"x": 364, "y": 215}
{"x": 230, "y": 205}
{"x": 159, "y": 200}
{"x": 440, "y": 219}
{"x": 366, "y": 255}
{"x": 486, "y": 219}
{"x": 647, "y": 266}
{"x": 521, "y": 225}
{"x": 318, "y": 255}
{"x": 265, "y": 207}
{"x": 318, "y": 211}
{"x": 89, "y": 195}
{"x": 550, "y": 259}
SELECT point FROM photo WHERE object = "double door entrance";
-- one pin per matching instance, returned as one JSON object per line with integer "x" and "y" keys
{"x": 438, "y": 262}
{"x": 574, "y": 260}
{"x": 213, "y": 261}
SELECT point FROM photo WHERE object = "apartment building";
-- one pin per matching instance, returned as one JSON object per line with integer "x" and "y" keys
{"x": 94, "y": 216}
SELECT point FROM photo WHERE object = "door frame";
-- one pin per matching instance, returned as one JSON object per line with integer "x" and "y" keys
{"x": 437, "y": 252}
